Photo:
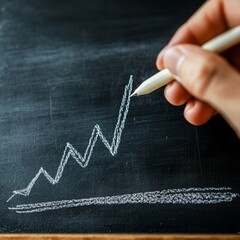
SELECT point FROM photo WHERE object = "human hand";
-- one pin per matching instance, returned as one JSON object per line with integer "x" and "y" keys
{"x": 207, "y": 83}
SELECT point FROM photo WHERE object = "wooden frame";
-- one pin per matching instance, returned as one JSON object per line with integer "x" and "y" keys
{"x": 116, "y": 237}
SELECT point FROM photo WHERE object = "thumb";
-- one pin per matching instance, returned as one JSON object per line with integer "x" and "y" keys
{"x": 207, "y": 77}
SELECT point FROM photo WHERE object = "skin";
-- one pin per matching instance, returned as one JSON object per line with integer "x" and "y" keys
{"x": 205, "y": 82}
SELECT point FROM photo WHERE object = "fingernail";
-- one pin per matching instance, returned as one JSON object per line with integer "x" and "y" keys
{"x": 162, "y": 52}
{"x": 189, "y": 106}
{"x": 167, "y": 89}
{"x": 173, "y": 59}
{"x": 159, "y": 58}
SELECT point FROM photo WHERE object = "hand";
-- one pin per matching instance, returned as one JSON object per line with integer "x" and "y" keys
{"x": 206, "y": 82}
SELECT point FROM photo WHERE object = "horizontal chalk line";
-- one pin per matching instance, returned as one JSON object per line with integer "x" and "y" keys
{"x": 170, "y": 196}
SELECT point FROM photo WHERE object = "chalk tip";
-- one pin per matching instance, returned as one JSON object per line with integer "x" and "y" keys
{"x": 134, "y": 95}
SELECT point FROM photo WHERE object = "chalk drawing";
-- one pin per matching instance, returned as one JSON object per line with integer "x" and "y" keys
{"x": 84, "y": 160}
{"x": 170, "y": 196}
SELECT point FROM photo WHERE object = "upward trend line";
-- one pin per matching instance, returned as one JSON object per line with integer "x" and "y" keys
{"x": 84, "y": 160}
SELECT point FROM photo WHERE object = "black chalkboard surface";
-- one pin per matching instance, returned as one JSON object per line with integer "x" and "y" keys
{"x": 77, "y": 154}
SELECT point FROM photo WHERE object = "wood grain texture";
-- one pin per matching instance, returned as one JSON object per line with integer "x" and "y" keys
{"x": 115, "y": 237}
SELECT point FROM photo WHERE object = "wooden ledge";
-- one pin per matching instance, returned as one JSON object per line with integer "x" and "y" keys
{"x": 116, "y": 237}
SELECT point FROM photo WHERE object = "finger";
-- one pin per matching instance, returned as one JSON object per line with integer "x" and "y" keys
{"x": 159, "y": 62}
{"x": 208, "y": 77}
{"x": 213, "y": 18}
{"x": 197, "y": 112}
{"x": 176, "y": 94}
{"x": 202, "y": 73}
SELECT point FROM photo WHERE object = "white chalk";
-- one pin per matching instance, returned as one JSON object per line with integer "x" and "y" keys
{"x": 218, "y": 44}
{"x": 84, "y": 159}
{"x": 194, "y": 196}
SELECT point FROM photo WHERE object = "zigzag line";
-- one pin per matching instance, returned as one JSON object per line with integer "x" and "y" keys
{"x": 84, "y": 160}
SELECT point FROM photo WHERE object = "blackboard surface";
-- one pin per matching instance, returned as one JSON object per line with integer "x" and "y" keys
{"x": 66, "y": 71}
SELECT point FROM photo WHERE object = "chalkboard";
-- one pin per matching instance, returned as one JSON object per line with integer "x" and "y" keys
{"x": 77, "y": 154}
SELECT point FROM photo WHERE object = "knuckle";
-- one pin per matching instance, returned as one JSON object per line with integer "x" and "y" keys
{"x": 203, "y": 76}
